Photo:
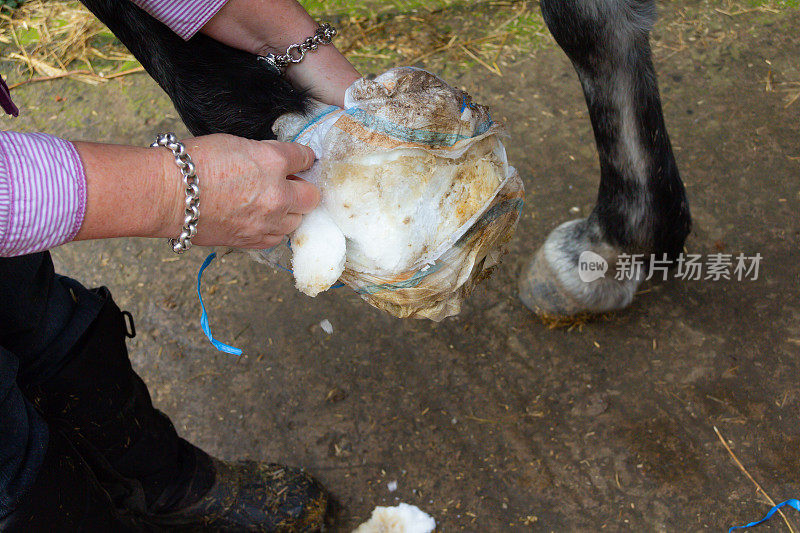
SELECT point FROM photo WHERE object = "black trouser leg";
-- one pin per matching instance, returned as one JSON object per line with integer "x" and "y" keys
{"x": 103, "y": 400}
{"x": 23, "y": 437}
{"x": 144, "y": 467}
{"x": 45, "y": 484}
{"x": 66, "y": 496}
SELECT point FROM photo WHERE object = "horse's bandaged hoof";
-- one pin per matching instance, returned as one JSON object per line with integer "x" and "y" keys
{"x": 415, "y": 177}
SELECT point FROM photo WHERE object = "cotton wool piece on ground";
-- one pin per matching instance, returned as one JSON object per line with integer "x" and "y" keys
{"x": 402, "y": 518}
{"x": 418, "y": 197}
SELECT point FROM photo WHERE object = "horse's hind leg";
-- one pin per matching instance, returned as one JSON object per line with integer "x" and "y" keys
{"x": 641, "y": 204}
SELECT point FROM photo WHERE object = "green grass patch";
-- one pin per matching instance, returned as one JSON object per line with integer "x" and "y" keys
{"x": 439, "y": 35}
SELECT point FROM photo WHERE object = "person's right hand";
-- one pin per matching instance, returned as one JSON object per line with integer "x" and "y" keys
{"x": 248, "y": 195}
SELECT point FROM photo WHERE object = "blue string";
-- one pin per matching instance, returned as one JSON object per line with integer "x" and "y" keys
{"x": 327, "y": 111}
{"x": 221, "y": 346}
{"x": 791, "y": 503}
{"x": 285, "y": 269}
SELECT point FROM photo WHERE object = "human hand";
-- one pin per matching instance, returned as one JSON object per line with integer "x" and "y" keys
{"x": 248, "y": 195}
{"x": 260, "y": 28}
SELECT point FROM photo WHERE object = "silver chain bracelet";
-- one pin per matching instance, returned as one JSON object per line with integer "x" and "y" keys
{"x": 296, "y": 52}
{"x": 191, "y": 212}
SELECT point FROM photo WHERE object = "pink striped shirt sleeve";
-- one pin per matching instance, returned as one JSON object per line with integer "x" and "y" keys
{"x": 184, "y": 17}
{"x": 42, "y": 192}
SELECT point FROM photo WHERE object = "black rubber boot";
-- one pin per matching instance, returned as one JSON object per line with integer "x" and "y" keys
{"x": 248, "y": 495}
{"x": 67, "y": 496}
{"x": 103, "y": 400}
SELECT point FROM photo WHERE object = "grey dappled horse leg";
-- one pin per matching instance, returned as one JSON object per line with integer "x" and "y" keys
{"x": 641, "y": 203}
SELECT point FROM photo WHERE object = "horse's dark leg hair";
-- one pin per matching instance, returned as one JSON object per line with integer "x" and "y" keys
{"x": 641, "y": 204}
{"x": 215, "y": 88}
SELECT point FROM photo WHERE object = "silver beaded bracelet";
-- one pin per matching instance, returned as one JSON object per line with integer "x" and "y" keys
{"x": 296, "y": 52}
{"x": 191, "y": 212}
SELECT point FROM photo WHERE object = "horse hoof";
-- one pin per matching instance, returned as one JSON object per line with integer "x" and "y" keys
{"x": 552, "y": 285}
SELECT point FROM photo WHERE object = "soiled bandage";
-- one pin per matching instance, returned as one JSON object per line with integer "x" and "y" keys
{"x": 406, "y": 170}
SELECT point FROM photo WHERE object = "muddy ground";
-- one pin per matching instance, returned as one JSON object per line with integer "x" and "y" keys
{"x": 490, "y": 421}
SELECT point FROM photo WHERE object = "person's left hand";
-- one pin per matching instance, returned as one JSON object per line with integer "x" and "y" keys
{"x": 325, "y": 73}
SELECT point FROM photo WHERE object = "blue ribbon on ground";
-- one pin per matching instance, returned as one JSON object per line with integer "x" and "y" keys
{"x": 221, "y": 346}
{"x": 791, "y": 503}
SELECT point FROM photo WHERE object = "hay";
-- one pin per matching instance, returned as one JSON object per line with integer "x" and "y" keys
{"x": 60, "y": 38}
{"x": 50, "y": 39}
{"x": 706, "y": 24}
{"x": 759, "y": 490}
{"x": 455, "y": 35}
{"x": 572, "y": 322}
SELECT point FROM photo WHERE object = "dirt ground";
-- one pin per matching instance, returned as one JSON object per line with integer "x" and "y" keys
{"x": 490, "y": 421}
